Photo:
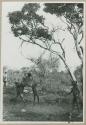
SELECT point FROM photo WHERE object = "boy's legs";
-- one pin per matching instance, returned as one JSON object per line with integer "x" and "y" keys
{"x": 37, "y": 98}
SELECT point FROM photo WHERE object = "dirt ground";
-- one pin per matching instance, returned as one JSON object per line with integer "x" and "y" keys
{"x": 44, "y": 111}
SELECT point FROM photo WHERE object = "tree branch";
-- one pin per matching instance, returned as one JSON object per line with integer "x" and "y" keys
{"x": 59, "y": 43}
{"x": 81, "y": 37}
{"x": 75, "y": 35}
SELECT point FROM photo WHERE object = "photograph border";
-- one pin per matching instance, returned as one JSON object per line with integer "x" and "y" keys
{"x": 84, "y": 67}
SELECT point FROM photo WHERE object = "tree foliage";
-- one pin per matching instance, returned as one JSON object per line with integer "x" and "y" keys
{"x": 28, "y": 22}
{"x": 71, "y": 11}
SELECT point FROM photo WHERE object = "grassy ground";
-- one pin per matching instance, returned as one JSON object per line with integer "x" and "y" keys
{"x": 49, "y": 108}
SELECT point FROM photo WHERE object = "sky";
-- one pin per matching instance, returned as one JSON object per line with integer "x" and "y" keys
{"x": 11, "y": 51}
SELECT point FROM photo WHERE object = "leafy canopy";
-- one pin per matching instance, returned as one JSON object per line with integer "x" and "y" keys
{"x": 28, "y": 22}
{"x": 71, "y": 11}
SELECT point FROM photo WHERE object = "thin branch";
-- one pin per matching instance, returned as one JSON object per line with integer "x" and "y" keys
{"x": 56, "y": 29}
{"x": 81, "y": 37}
{"x": 69, "y": 24}
{"x": 32, "y": 60}
{"x": 75, "y": 34}
{"x": 21, "y": 44}
{"x": 42, "y": 54}
{"x": 59, "y": 43}
{"x": 23, "y": 39}
{"x": 81, "y": 49}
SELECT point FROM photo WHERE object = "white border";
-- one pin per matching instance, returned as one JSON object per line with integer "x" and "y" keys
{"x": 43, "y": 122}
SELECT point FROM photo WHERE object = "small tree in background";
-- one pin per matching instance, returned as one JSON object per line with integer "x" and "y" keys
{"x": 42, "y": 67}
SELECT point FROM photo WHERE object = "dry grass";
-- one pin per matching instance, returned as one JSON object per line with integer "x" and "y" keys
{"x": 47, "y": 110}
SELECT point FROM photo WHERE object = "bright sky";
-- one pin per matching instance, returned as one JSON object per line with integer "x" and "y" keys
{"x": 11, "y": 53}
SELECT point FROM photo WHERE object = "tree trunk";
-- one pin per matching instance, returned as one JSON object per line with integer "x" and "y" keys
{"x": 72, "y": 76}
{"x": 80, "y": 55}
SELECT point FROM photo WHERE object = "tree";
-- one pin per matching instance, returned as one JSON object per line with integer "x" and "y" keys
{"x": 72, "y": 15}
{"x": 30, "y": 27}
